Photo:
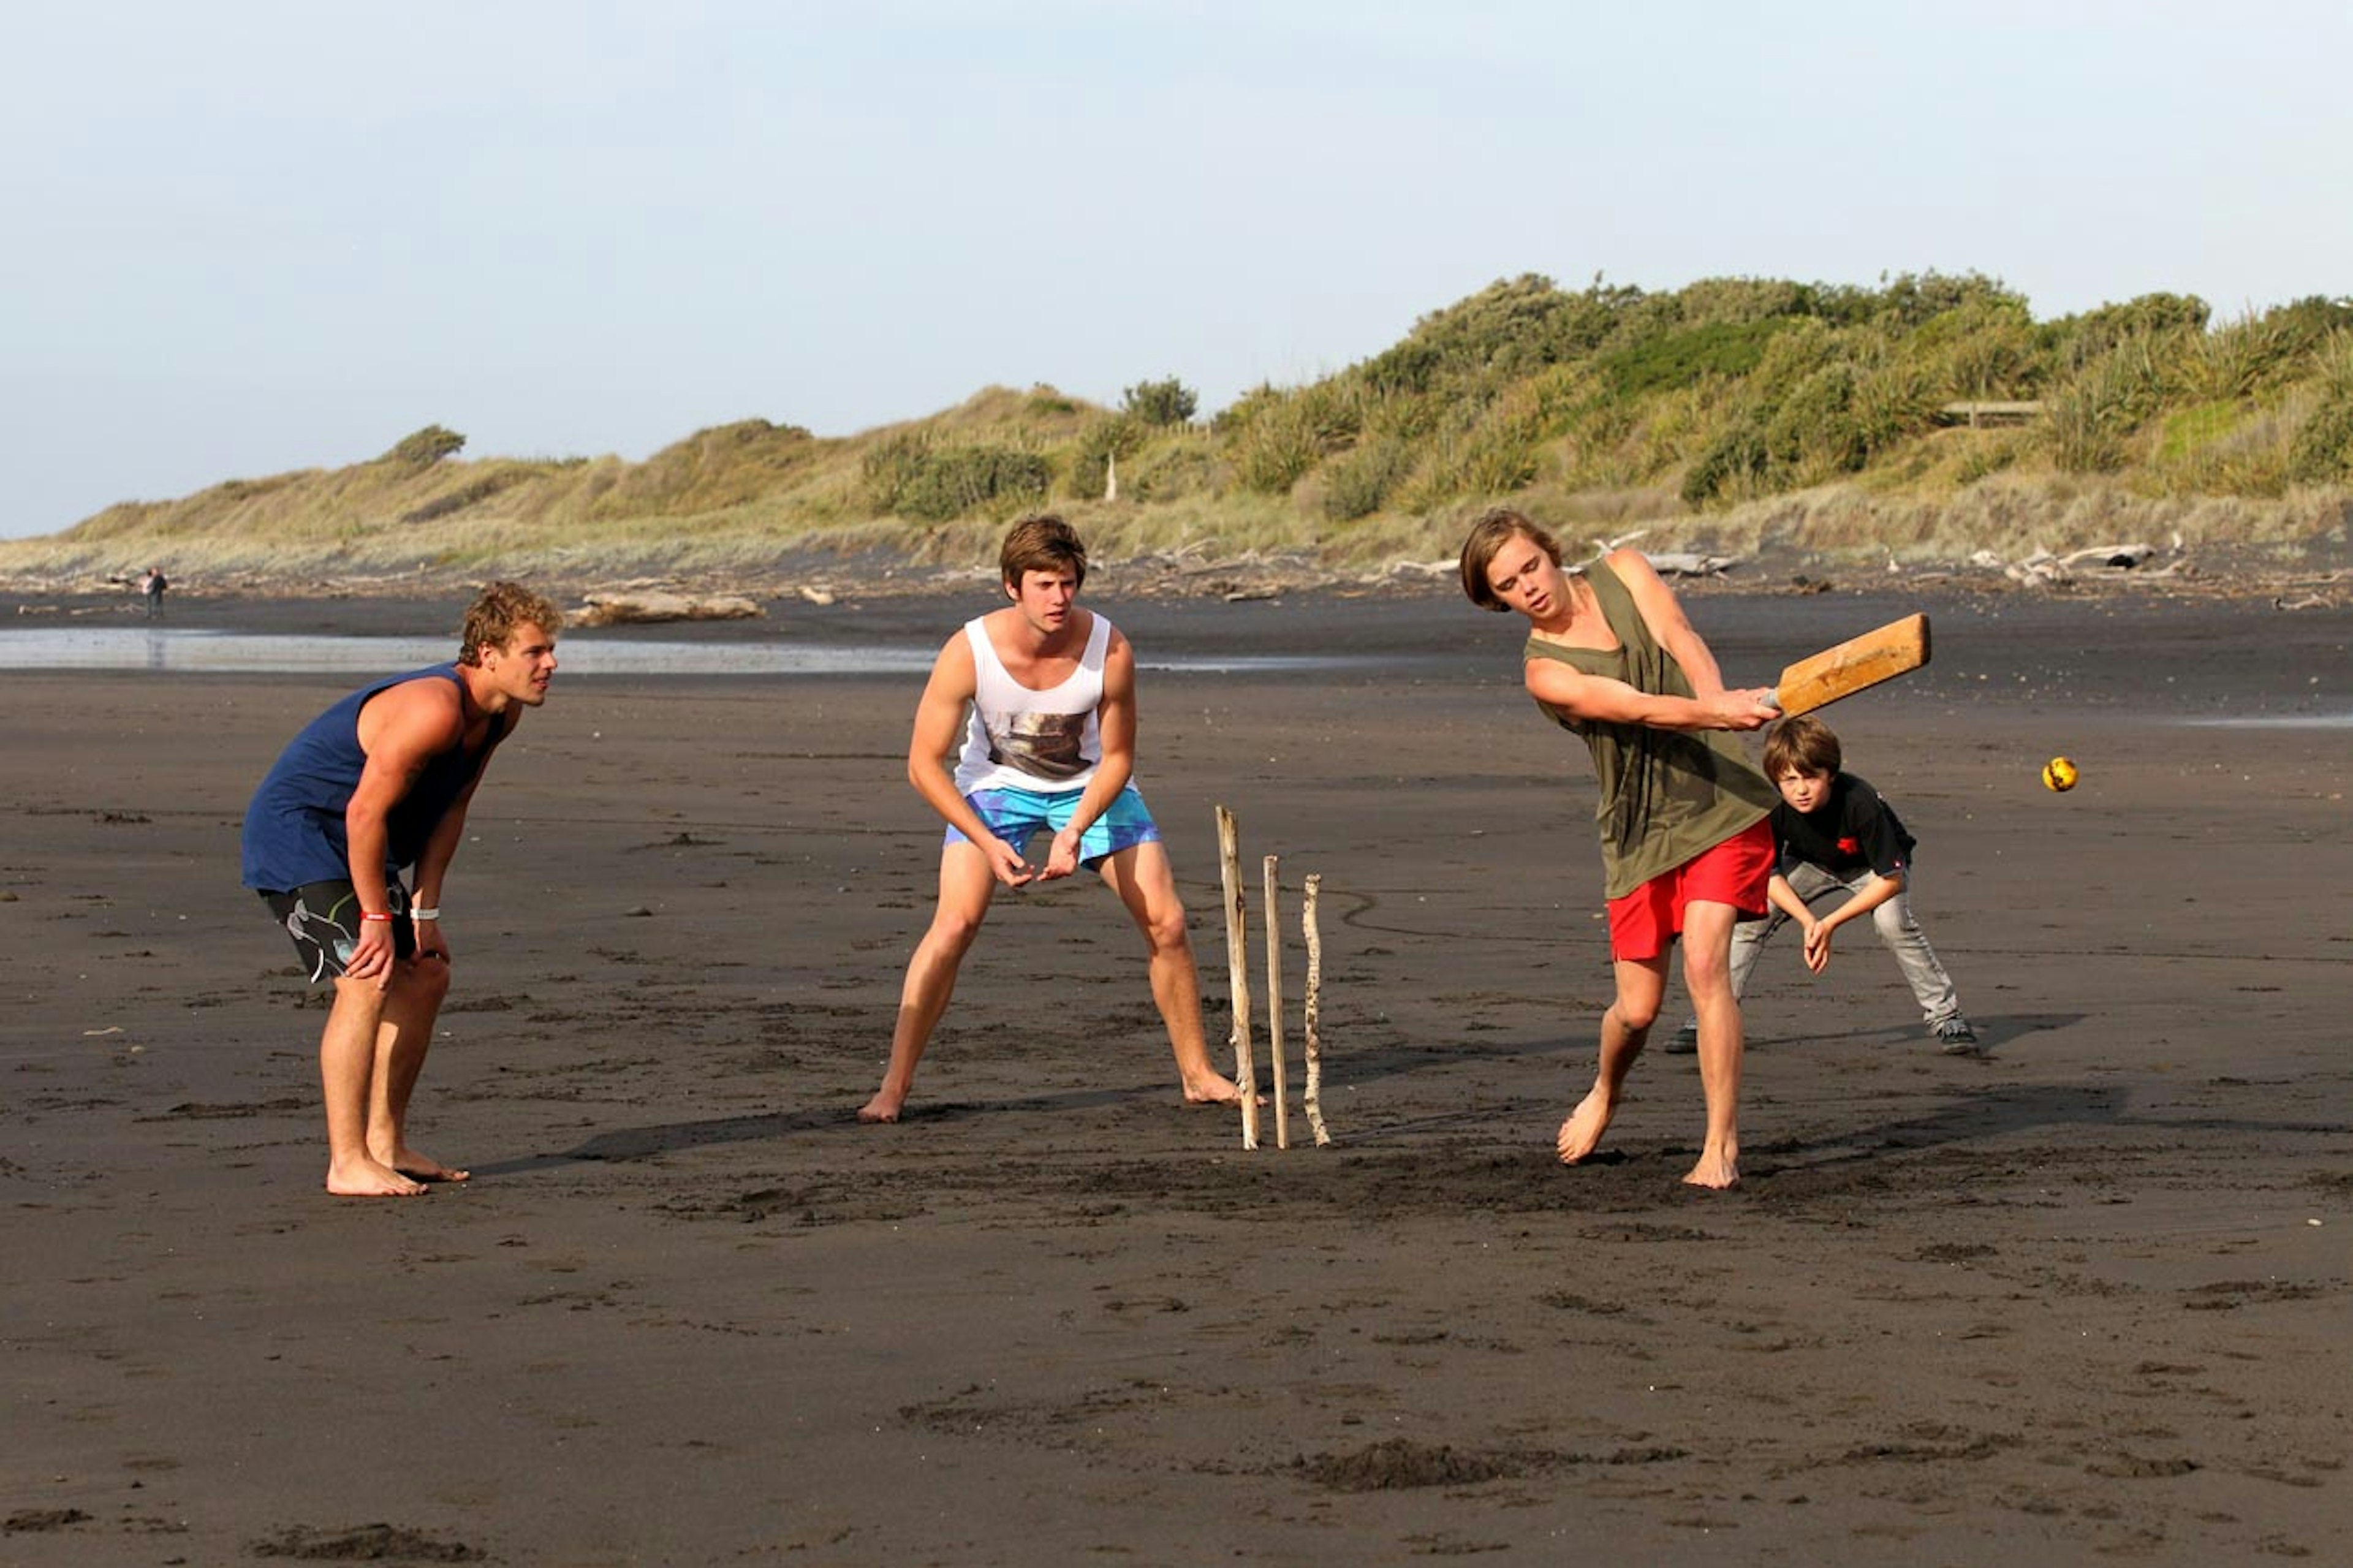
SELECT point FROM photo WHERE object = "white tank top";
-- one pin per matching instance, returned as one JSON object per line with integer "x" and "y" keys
{"x": 1020, "y": 739}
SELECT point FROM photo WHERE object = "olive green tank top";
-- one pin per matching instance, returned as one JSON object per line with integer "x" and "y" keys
{"x": 1666, "y": 794}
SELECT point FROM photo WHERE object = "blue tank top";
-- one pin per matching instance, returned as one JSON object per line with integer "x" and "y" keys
{"x": 294, "y": 829}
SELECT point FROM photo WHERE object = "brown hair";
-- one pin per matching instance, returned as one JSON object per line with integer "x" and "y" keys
{"x": 1494, "y": 529}
{"x": 493, "y": 616}
{"x": 1042, "y": 542}
{"x": 1805, "y": 744}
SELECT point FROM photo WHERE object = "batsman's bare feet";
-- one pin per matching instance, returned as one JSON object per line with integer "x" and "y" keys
{"x": 883, "y": 1106}
{"x": 365, "y": 1178}
{"x": 1716, "y": 1170}
{"x": 425, "y": 1168}
{"x": 1581, "y": 1133}
{"x": 1214, "y": 1089}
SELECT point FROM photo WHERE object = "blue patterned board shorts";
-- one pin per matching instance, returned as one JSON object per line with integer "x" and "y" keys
{"x": 1014, "y": 815}
{"x": 323, "y": 919}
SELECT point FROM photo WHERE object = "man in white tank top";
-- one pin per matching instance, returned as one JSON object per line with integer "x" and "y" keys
{"x": 1050, "y": 746}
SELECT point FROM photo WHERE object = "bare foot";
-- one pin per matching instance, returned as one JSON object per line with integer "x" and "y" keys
{"x": 425, "y": 1168}
{"x": 883, "y": 1106}
{"x": 1718, "y": 1171}
{"x": 1581, "y": 1133}
{"x": 365, "y": 1178}
{"x": 1214, "y": 1089}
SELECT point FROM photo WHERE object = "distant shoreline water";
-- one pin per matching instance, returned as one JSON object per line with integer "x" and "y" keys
{"x": 175, "y": 650}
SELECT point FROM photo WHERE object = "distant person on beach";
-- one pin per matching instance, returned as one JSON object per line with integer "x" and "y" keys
{"x": 1833, "y": 831}
{"x": 1686, "y": 847}
{"x": 1048, "y": 747}
{"x": 377, "y": 783}
{"x": 151, "y": 587}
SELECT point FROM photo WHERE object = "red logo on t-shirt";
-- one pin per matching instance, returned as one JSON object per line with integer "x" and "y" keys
{"x": 1850, "y": 845}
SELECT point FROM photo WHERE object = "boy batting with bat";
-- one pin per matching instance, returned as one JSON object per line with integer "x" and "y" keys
{"x": 1686, "y": 847}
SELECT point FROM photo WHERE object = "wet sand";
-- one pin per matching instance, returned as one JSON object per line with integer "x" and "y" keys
{"x": 2085, "y": 1298}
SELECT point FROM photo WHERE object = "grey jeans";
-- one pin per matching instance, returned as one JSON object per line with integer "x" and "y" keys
{"x": 1892, "y": 920}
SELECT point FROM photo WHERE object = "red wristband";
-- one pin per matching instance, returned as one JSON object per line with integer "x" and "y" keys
{"x": 372, "y": 915}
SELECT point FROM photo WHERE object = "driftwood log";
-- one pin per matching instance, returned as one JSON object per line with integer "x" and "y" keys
{"x": 652, "y": 606}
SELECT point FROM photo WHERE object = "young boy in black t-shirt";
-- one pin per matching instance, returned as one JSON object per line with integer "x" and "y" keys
{"x": 1834, "y": 832}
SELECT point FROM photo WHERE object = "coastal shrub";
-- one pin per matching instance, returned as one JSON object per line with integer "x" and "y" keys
{"x": 2088, "y": 418}
{"x": 2234, "y": 360}
{"x": 1667, "y": 433}
{"x": 1117, "y": 435}
{"x": 2080, "y": 340}
{"x": 1793, "y": 353}
{"x": 1594, "y": 444}
{"x": 1910, "y": 299}
{"x": 1742, "y": 299}
{"x": 1484, "y": 452}
{"x": 1289, "y": 433}
{"x": 1165, "y": 402}
{"x": 1400, "y": 416}
{"x": 1358, "y": 484}
{"x": 1173, "y": 467}
{"x": 1276, "y": 452}
{"x": 2082, "y": 440}
{"x": 424, "y": 447}
{"x": 1813, "y": 432}
{"x": 1556, "y": 400}
{"x": 1731, "y": 465}
{"x": 1512, "y": 327}
{"x": 890, "y": 467}
{"x": 2322, "y": 449}
{"x": 1983, "y": 351}
{"x": 1408, "y": 369}
{"x": 1433, "y": 482}
{"x": 1501, "y": 460}
{"x": 953, "y": 481}
{"x": 1678, "y": 359}
{"x": 1892, "y": 401}
{"x": 2307, "y": 324}
{"x": 1245, "y": 410}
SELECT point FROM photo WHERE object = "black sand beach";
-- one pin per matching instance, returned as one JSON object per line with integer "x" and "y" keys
{"x": 2085, "y": 1298}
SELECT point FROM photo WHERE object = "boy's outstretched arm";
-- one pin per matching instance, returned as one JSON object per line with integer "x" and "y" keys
{"x": 1877, "y": 891}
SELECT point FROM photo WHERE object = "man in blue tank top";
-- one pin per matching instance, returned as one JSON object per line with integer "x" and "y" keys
{"x": 1050, "y": 747}
{"x": 375, "y": 785}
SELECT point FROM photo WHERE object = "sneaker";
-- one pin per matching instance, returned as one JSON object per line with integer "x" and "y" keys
{"x": 1683, "y": 1042}
{"x": 1956, "y": 1038}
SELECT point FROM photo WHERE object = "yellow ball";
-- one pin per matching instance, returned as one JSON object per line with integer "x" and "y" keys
{"x": 2059, "y": 774}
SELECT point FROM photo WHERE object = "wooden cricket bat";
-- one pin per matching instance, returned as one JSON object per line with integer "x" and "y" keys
{"x": 1855, "y": 664}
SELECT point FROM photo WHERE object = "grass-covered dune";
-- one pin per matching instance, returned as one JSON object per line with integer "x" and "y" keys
{"x": 1926, "y": 419}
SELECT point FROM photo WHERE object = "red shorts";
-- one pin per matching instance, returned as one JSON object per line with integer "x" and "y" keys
{"x": 1646, "y": 921}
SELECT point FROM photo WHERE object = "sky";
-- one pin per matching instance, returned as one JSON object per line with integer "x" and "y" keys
{"x": 241, "y": 238}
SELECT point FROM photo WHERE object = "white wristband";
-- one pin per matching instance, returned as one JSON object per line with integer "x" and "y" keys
{"x": 423, "y": 914}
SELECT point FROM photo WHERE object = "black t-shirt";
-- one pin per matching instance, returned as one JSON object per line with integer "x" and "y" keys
{"x": 1851, "y": 829}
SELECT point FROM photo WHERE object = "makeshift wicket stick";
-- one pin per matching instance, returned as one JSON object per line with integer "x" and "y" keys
{"x": 1230, "y": 866}
{"x": 1314, "y": 1043}
{"x": 1274, "y": 1008}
